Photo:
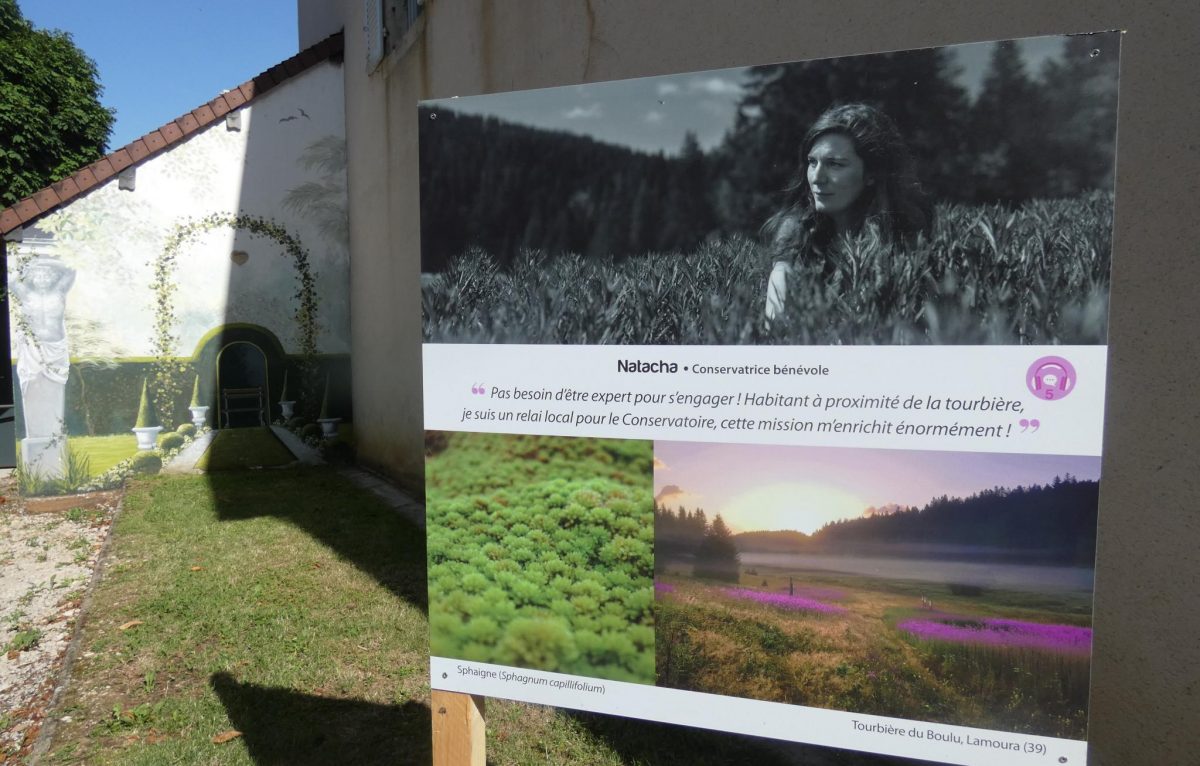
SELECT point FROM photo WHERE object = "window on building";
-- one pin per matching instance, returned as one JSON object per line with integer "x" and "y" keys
{"x": 386, "y": 24}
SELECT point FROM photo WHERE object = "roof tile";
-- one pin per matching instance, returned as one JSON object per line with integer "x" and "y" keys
{"x": 219, "y": 106}
{"x": 27, "y": 209}
{"x": 204, "y": 115}
{"x": 248, "y": 90}
{"x": 263, "y": 83}
{"x": 102, "y": 169}
{"x": 155, "y": 141}
{"x": 235, "y": 98}
{"x": 66, "y": 188}
{"x": 120, "y": 160}
{"x": 308, "y": 57}
{"x": 47, "y": 199}
{"x": 9, "y": 220}
{"x": 86, "y": 179}
{"x": 171, "y": 132}
{"x": 138, "y": 150}
{"x": 188, "y": 124}
{"x": 292, "y": 66}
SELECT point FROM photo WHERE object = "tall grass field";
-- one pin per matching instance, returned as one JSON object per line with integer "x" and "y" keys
{"x": 1037, "y": 273}
{"x": 1003, "y": 660}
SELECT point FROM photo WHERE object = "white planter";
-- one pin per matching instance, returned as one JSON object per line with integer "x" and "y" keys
{"x": 146, "y": 437}
{"x": 329, "y": 427}
{"x": 286, "y": 409}
{"x": 199, "y": 416}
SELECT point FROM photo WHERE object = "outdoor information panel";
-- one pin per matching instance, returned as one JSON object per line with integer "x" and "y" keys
{"x": 769, "y": 400}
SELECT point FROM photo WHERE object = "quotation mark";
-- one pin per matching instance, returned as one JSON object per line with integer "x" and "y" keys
{"x": 1035, "y": 424}
{"x": 478, "y": 389}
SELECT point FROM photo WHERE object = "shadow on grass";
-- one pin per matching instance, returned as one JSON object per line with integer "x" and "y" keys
{"x": 234, "y": 449}
{"x": 283, "y": 726}
{"x": 355, "y": 524}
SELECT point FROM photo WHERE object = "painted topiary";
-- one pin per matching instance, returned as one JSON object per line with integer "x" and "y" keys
{"x": 325, "y": 401}
{"x": 146, "y": 463}
{"x": 195, "y": 393}
{"x": 187, "y": 430}
{"x": 170, "y": 441}
{"x": 147, "y": 417}
{"x": 310, "y": 431}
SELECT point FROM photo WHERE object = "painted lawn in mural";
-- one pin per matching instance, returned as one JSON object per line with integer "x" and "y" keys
{"x": 104, "y": 452}
{"x": 101, "y": 452}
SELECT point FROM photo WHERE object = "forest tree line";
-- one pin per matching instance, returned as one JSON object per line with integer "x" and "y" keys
{"x": 688, "y": 536}
{"x": 505, "y": 188}
{"x": 1055, "y": 523}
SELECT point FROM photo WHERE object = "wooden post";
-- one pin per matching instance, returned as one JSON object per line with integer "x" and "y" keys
{"x": 459, "y": 737}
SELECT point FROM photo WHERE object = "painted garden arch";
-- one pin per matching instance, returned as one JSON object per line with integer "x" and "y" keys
{"x": 171, "y": 374}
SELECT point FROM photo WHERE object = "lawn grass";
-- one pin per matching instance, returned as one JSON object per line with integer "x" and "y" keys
{"x": 262, "y": 609}
{"x": 288, "y": 606}
{"x": 237, "y": 448}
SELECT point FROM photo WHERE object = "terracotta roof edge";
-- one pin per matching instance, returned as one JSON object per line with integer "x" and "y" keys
{"x": 22, "y": 212}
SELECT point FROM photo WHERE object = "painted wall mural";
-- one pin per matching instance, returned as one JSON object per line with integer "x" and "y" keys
{"x": 235, "y": 240}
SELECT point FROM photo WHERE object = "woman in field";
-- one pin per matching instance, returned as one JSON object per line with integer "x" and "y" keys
{"x": 858, "y": 181}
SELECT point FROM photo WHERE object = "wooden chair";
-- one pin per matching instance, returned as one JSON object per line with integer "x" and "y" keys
{"x": 239, "y": 400}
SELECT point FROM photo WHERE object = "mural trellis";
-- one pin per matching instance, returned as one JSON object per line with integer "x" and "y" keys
{"x": 170, "y": 374}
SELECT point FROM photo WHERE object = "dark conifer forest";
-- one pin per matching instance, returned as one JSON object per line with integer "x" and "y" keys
{"x": 1053, "y": 523}
{"x": 503, "y": 188}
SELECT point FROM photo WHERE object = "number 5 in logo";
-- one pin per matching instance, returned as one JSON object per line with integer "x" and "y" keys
{"x": 1050, "y": 378}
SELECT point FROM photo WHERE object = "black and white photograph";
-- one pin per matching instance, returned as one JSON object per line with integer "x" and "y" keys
{"x": 953, "y": 195}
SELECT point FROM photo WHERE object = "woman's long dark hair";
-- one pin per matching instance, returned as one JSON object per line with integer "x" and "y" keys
{"x": 893, "y": 206}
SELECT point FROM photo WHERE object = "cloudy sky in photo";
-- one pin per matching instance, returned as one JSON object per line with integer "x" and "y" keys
{"x": 654, "y": 113}
{"x": 768, "y": 487}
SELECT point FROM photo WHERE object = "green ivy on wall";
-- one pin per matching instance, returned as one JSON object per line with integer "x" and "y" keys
{"x": 172, "y": 377}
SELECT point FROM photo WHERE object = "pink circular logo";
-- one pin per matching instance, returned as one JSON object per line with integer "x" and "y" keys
{"x": 1050, "y": 378}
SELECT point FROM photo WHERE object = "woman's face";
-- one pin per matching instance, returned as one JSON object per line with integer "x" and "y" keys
{"x": 836, "y": 176}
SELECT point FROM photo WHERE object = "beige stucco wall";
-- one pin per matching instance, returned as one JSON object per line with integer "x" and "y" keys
{"x": 1146, "y": 682}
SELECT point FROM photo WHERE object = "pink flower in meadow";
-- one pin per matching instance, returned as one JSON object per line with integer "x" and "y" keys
{"x": 783, "y": 600}
{"x": 999, "y": 632}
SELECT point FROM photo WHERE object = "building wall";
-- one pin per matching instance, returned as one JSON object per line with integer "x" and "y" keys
{"x": 318, "y": 19}
{"x": 1147, "y": 658}
{"x": 284, "y": 165}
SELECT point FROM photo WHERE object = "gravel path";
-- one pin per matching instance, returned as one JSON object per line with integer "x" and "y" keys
{"x": 48, "y": 554}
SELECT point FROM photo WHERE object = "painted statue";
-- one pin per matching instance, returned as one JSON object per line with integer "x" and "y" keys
{"x": 43, "y": 361}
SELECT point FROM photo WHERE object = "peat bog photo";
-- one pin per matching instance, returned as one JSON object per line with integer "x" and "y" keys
{"x": 936, "y": 586}
{"x": 541, "y": 552}
{"x": 953, "y": 195}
